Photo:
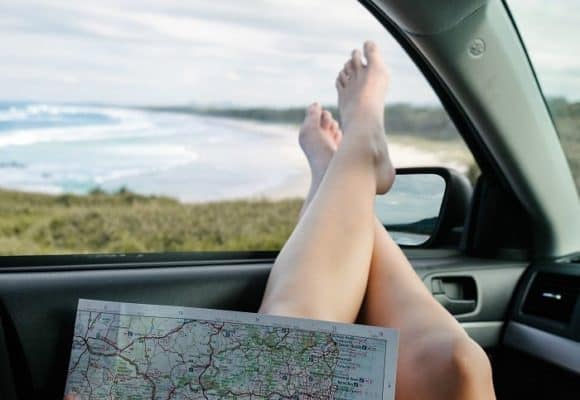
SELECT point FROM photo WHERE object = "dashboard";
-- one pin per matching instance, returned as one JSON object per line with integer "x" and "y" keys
{"x": 545, "y": 320}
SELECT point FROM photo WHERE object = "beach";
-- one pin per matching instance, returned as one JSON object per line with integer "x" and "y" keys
{"x": 56, "y": 149}
{"x": 405, "y": 153}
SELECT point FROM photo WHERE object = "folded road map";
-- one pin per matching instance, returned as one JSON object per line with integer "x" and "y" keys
{"x": 135, "y": 351}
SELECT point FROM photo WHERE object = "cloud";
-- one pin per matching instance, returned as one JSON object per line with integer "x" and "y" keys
{"x": 550, "y": 31}
{"x": 233, "y": 76}
{"x": 252, "y": 52}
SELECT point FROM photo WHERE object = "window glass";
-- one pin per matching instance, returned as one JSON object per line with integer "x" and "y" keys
{"x": 550, "y": 31}
{"x": 157, "y": 126}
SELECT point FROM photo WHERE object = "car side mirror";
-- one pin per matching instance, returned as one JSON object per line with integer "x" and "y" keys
{"x": 426, "y": 206}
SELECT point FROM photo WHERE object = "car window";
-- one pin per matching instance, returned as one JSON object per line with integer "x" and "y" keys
{"x": 550, "y": 31}
{"x": 166, "y": 126}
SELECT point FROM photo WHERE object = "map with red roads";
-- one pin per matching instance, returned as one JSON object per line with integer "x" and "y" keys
{"x": 132, "y": 351}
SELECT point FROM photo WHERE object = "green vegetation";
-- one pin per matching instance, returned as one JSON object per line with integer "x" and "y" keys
{"x": 567, "y": 119}
{"x": 33, "y": 223}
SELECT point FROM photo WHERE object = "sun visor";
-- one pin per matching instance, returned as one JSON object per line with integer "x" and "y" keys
{"x": 428, "y": 17}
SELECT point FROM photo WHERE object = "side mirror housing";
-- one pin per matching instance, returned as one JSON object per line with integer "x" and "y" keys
{"x": 426, "y": 207}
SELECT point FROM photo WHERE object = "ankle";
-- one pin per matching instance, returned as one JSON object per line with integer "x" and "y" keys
{"x": 365, "y": 140}
{"x": 368, "y": 115}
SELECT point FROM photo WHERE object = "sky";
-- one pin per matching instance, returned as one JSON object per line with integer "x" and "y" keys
{"x": 551, "y": 33}
{"x": 229, "y": 52}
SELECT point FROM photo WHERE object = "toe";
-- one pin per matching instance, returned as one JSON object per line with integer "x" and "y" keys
{"x": 338, "y": 136}
{"x": 313, "y": 113}
{"x": 372, "y": 53}
{"x": 334, "y": 127}
{"x": 348, "y": 68}
{"x": 326, "y": 120}
{"x": 343, "y": 78}
{"x": 336, "y": 133}
{"x": 356, "y": 59}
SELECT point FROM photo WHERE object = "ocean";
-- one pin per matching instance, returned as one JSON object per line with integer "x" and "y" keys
{"x": 59, "y": 148}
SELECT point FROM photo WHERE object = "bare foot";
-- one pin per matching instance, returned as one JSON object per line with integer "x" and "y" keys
{"x": 361, "y": 101}
{"x": 319, "y": 138}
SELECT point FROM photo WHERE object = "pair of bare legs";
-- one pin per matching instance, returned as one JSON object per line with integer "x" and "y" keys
{"x": 340, "y": 264}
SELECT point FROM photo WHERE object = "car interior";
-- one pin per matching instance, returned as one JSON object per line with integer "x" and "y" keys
{"x": 504, "y": 257}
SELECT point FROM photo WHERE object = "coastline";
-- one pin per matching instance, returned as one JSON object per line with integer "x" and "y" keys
{"x": 403, "y": 154}
{"x": 186, "y": 156}
{"x": 180, "y": 183}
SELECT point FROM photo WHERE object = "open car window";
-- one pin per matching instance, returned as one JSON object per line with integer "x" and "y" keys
{"x": 171, "y": 126}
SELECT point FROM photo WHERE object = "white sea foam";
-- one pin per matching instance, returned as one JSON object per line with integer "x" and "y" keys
{"x": 24, "y": 112}
{"x": 122, "y": 174}
{"x": 26, "y": 137}
{"x": 175, "y": 153}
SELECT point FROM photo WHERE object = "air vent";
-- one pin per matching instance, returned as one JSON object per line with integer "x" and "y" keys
{"x": 553, "y": 296}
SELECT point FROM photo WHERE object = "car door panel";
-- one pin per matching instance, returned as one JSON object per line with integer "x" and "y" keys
{"x": 38, "y": 306}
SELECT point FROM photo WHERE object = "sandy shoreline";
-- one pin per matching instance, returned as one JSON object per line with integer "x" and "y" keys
{"x": 402, "y": 154}
{"x": 297, "y": 181}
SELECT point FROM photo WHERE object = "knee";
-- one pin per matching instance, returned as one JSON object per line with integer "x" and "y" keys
{"x": 471, "y": 368}
{"x": 454, "y": 367}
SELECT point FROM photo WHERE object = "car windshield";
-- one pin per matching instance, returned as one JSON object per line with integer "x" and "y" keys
{"x": 550, "y": 31}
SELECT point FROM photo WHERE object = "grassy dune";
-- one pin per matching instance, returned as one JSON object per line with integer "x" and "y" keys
{"x": 567, "y": 119}
{"x": 33, "y": 223}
